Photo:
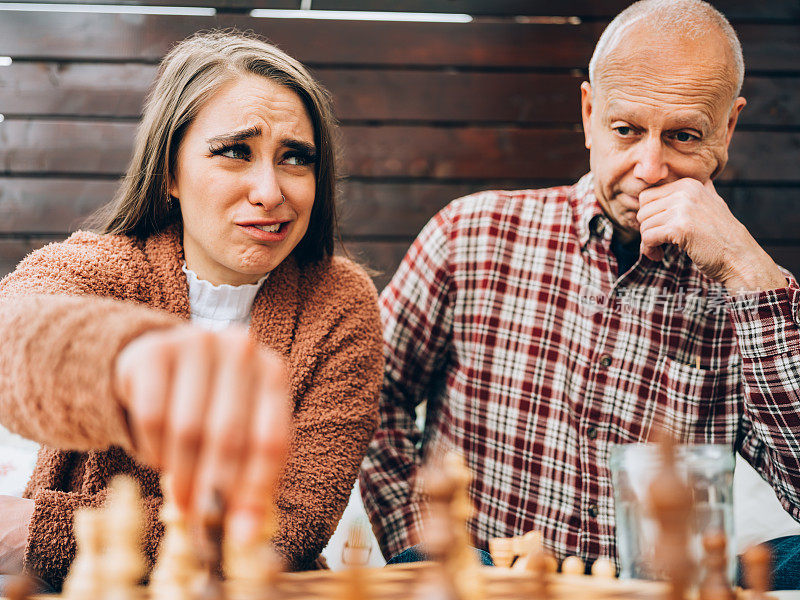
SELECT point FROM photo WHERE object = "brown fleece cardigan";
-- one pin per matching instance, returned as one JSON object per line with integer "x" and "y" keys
{"x": 68, "y": 310}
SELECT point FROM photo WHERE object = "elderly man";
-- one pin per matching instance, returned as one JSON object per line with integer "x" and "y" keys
{"x": 543, "y": 326}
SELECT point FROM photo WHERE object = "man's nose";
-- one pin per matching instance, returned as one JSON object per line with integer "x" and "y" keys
{"x": 650, "y": 164}
{"x": 264, "y": 188}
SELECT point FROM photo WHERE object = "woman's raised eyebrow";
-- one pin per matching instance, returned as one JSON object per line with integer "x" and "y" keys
{"x": 236, "y": 136}
{"x": 299, "y": 145}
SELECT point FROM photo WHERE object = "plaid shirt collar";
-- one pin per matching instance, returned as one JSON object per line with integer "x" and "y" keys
{"x": 591, "y": 221}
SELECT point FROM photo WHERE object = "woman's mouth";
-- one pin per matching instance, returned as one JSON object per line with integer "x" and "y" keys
{"x": 273, "y": 232}
{"x": 269, "y": 228}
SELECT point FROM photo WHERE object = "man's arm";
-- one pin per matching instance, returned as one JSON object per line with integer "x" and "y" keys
{"x": 766, "y": 325}
{"x": 417, "y": 322}
{"x": 765, "y": 310}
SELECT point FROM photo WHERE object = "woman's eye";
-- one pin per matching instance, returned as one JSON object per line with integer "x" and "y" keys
{"x": 685, "y": 136}
{"x": 235, "y": 151}
{"x": 298, "y": 159}
{"x": 294, "y": 160}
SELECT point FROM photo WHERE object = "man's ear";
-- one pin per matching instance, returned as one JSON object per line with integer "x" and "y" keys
{"x": 733, "y": 117}
{"x": 586, "y": 112}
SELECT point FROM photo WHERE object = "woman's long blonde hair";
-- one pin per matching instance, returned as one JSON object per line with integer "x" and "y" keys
{"x": 194, "y": 70}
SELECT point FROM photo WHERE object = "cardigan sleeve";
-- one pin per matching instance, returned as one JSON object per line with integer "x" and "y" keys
{"x": 63, "y": 322}
{"x": 335, "y": 415}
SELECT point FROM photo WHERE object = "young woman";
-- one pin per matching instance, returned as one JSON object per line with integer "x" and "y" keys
{"x": 207, "y": 331}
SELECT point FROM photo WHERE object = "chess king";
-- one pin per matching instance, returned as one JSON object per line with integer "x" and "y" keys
{"x": 493, "y": 317}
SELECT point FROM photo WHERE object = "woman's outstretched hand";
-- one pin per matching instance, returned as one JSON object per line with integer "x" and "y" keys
{"x": 212, "y": 411}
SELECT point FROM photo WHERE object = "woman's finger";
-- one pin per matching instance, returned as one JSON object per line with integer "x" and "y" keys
{"x": 195, "y": 361}
{"x": 229, "y": 416}
{"x": 268, "y": 440}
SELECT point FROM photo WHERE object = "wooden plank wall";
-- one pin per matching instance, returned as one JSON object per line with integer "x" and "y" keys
{"x": 429, "y": 111}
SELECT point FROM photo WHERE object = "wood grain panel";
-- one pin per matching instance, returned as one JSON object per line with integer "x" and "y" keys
{"x": 380, "y": 258}
{"x": 224, "y": 5}
{"x": 34, "y": 205}
{"x": 479, "y": 44}
{"x": 118, "y": 90}
{"x": 786, "y": 255}
{"x": 368, "y": 209}
{"x": 734, "y": 9}
{"x": 471, "y": 153}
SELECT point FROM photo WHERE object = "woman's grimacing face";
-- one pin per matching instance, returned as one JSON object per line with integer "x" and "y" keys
{"x": 250, "y": 144}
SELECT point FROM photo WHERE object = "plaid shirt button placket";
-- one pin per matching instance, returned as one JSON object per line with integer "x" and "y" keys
{"x": 503, "y": 317}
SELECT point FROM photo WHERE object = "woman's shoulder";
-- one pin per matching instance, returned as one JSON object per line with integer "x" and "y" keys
{"x": 83, "y": 258}
{"x": 83, "y": 249}
{"x": 339, "y": 277}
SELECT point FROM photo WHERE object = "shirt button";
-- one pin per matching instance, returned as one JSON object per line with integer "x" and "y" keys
{"x": 592, "y": 510}
{"x": 591, "y": 432}
{"x": 605, "y": 360}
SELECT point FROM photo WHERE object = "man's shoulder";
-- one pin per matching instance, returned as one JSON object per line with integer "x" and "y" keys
{"x": 532, "y": 207}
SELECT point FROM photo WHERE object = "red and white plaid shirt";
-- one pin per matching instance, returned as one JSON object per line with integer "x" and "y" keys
{"x": 507, "y": 316}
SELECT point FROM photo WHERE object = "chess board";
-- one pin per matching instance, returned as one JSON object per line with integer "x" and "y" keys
{"x": 412, "y": 581}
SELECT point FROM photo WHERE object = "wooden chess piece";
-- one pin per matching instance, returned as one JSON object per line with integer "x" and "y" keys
{"x": 123, "y": 559}
{"x": 254, "y": 566}
{"x": 537, "y": 564}
{"x": 502, "y": 551}
{"x": 355, "y": 557}
{"x": 177, "y": 572}
{"x": 604, "y": 568}
{"x": 670, "y": 504}
{"x": 715, "y": 585}
{"x": 213, "y": 519}
{"x": 447, "y": 540}
{"x": 86, "y": 574}
{"x": 756, "y": 561}
{"x": 573, "y": 565}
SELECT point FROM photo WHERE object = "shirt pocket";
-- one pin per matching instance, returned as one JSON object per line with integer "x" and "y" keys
{"x": 694, "y": 405}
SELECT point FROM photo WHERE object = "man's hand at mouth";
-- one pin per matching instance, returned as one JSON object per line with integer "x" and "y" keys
{"x": 692, "y": 216}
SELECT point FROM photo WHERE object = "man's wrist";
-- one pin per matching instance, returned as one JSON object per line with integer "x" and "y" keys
{"x": 759, "y": 274}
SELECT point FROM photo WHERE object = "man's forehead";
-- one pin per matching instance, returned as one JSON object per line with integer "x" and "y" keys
{"x": 670, "y": 61}
{"x": 673, "y": 115}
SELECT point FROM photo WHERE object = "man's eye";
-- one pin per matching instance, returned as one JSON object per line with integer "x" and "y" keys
{"x": 685, "y": 136}
{"x": 623, "y": 130}
{"x": 235, "y": 151}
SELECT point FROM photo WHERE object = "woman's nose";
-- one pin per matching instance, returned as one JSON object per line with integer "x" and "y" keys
{"x": 264, "y": 188}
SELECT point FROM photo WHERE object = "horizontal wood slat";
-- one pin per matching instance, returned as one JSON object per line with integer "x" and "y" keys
{"x": 733, "y": 9}
{"x": 223, "y": 5}
{"x": 91, "y": 147}
{"x": 118, "y": 90}
{"x": 368, "y": 209}
{"x": 479, "y": 44}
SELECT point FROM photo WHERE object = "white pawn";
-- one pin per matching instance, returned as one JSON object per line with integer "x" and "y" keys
{"x": 604, "y": 568}
{"x": 502, "y": 551}
{"x": 254, "y": 566}
{"x": 177, "y": 572}
{"x": 85, "y": 578}
{"x": 123, "y": 560}
{"x": 573, "y": 565}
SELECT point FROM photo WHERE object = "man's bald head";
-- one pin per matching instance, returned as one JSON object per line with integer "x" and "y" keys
{"x": 649, "y": 26}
